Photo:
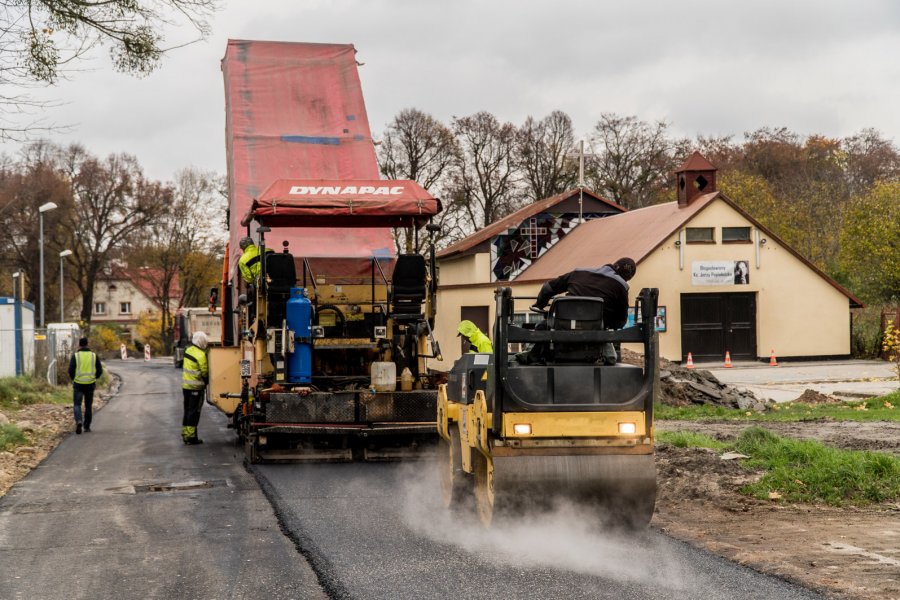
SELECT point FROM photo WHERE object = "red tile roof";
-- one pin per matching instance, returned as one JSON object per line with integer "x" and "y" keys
{"x": 143, "y": 279}
{"x": 514, "y": 219}
{"x": 637, "y": 234}
{"x": 696, "y": 162}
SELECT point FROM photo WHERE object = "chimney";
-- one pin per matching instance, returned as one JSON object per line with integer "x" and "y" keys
{"x": 697, "y": 176}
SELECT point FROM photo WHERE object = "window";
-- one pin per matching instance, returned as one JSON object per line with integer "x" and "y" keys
{"x": 99, "y": 308}
{"x": 124, "y": 308}
{"x": 699, "y": 235}
{"x": 736, "y": 235}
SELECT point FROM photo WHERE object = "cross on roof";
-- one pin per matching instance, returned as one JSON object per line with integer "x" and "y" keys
{"x": 533, "y": 231}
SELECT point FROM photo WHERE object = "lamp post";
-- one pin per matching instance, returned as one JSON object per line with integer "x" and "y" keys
{"x": 41, "y": 210}
{"x": 62, "y": 299}
{"x": 17, "y": 321}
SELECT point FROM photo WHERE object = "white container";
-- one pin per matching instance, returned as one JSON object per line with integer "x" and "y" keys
{"x": 406, "y": 380}
{"x": 384, "y": 376}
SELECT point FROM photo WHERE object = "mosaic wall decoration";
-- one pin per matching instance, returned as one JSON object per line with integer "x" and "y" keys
{"x": 512, "y": 252}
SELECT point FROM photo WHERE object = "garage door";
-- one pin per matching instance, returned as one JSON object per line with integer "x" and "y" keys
{"x": 712, "y": 324}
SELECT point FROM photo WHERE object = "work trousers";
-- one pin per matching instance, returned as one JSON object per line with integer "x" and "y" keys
{"x": 193, "y": 402}
{"x": 83, "y": 391}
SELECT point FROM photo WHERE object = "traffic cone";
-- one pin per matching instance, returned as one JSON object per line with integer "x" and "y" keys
{"x": 728, "y": 364}
{"x": 772, "y": 361}
{"x": 690, "y": 362}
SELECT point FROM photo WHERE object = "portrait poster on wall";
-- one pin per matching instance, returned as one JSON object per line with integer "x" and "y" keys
{"x": 720, "y": 272}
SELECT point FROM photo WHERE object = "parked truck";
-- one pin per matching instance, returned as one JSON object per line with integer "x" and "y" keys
{"x": 324, "y": 355}
{"x": 190, "y": 320}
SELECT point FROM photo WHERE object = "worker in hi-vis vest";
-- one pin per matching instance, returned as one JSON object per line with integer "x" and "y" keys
{"x": 84, "y": 370}
{"x": 194, "y": 377}
{"x": 250, "y": 263}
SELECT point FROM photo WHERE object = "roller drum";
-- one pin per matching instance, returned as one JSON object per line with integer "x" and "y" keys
{"x": 619, "y": 489}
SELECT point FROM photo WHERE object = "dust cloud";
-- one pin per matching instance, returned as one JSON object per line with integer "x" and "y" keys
{"x": 560, "y": 538}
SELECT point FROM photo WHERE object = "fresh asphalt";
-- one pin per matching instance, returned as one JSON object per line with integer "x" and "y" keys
{"x": 88, "y": 524}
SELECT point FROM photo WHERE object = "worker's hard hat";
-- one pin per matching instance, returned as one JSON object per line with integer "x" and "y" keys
{"x": 199, "y": 340}
{"x": 245, "y": 241}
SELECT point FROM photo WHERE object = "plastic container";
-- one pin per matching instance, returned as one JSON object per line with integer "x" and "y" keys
{"x": 384, "y": 376}
{"x": 406, "y": 380}
{"x": 299, "y": 320}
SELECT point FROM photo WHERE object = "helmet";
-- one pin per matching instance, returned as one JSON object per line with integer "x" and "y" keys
{"x": 245, "y": 241}
{"x": 199, "y": 340}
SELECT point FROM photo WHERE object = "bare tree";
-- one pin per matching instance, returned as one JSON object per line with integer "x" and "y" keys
{"x": 24, "y": 186}
{"x": 482, "y": 185}
{"x": 42, "y": 38}
{"x": 632, "y": 160}
{"x": 542, "y": 154}
{"x": 417, "y": 146}
{"x": 176, "y": 254}
{"x": 869, "y": 158}
{"x": 113, "y": 203}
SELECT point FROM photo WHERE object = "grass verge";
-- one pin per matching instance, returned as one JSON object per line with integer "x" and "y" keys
{"x": 16, "y": 392}
{"x": 882, "y": 408}
{"x": 10, "y": 437}
{"x": 689, "y": 439}
{"x": 804, "y": 471}
{"x": 808, "y": 471}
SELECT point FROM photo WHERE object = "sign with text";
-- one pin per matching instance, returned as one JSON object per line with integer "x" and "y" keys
{"x": 720, "y": 272}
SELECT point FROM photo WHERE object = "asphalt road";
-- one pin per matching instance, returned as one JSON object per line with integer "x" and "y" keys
{"x": 86, "y": 524}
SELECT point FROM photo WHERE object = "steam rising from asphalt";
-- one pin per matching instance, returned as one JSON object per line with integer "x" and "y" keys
{"x": 561, "y": 539}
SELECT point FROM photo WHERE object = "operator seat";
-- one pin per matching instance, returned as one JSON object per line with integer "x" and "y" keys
{"x": 282, "y": 275}
{"x": 575, "y": 313}
{"x": 408, "y": 287}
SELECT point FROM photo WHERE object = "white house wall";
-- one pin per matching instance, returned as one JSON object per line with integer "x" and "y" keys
{"x": 798, "y": 313}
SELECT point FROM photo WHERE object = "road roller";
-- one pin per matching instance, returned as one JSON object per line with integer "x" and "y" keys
{"x": 518, "y": 436}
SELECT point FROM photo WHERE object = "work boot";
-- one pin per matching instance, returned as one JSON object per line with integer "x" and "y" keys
{"x": 193, "y": 441}
{"x": 78, "y": 428}
{"x": 87, "y": 428}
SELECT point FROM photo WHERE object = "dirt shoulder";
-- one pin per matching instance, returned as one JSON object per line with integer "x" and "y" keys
{"x": 843, "y": 552}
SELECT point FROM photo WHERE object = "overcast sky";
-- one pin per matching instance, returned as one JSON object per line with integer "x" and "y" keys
{"x": 814, "y": 66}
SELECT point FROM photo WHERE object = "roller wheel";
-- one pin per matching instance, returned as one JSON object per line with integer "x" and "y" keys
{"x": 456, "y": 487}
{"x": 484, "y": 489}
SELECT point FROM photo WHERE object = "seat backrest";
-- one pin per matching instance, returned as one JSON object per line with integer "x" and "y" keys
{"x": 409, "y": 276}
{"x": 281, "y": 271}
{"x": 576, "y": 312}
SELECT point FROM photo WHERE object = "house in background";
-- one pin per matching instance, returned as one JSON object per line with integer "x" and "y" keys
{"x": 122, "y": 295}
{"x": 503, "y": 250}
{"x": 726, "y": 282}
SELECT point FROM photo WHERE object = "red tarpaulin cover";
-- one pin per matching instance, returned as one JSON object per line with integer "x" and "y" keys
{"x": 296, "y": 111}
{"x": 322, "y": 203}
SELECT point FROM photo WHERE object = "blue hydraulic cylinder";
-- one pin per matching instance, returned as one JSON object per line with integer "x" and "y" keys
{"x": 299, "y": 320}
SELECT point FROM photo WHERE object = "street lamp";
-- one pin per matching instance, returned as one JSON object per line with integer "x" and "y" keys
{"x": 17, "y": 321}
{"x": 41, "y": 210}
{"x": 62, "y": 256}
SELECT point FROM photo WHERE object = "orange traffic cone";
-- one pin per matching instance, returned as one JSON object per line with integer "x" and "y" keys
{"x": 728, "y": 364}
{"x": 772, "y": 361}
{"x": 690, "y": 362}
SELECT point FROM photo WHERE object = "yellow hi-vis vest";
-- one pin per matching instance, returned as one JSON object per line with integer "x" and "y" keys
{"x": 195, "y": 369}
{"x": 250, "y": 263}
{"x": 85, "y": 367}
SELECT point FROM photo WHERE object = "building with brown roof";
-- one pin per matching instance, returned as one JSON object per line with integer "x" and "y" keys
{"x": 122, "y": 295}
{"x": 726, "y": 282}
